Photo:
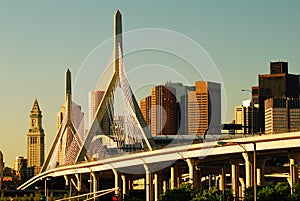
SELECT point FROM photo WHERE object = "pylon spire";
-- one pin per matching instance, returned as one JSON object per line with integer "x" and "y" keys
{"x": 68, "y": 94}
{"x": 117, "y": 38}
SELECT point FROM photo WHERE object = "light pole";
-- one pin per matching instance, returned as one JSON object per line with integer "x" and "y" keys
{"x": 252, "y": 108}
{"x": 47, "y": 179}
{"x": 254, "y": 162}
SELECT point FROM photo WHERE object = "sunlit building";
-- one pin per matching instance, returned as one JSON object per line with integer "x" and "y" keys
{"x": 243, "y": 115}
{"x": 163, "y": 111}
{"x": 204, "y": 108}
{"x": 282, "y": 115}
{"x": 279, "y": 83}
{"x": 35, "y": 139}
{"x": 145, "y": 106}
{"x": 182, "y": 105}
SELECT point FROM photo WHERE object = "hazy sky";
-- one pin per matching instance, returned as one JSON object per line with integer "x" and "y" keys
{"x": 39, "y": 39}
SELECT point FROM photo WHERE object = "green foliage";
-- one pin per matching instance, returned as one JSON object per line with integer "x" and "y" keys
{"x": 177, "y": 194}
{"x": 267, "y": 193}
{"x": 187, "y": 193}
{"x": 213, "y": 195}
{"x": 31, "y": 198}
{"x": 134, "y": 199}
{"x": 2, "y": 195}
{"x": 183, "y": 193}
{"x": 281, "y": 191}
{"x": 296, "y": 194}
{"x": 25, "y": 198}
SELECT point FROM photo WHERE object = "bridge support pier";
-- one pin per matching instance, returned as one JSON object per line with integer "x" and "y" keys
{"x": 165, "y": 187}
{"x": 148, "y": 183}
{"x": 248, "y": 169}
{"x": 157, "y": 186}
{"x": 222, "y": 181}
{"x": 116, "y": 175}
{"x": 95, "y": 184}
{"x": 242, "y": 187}
{"x": 173, "y": 177}
{"x": 192, "y": 172}
{"x": 125, "y": 185}
{"x": 260, "y": 171}
{"x": 235, "y": 177}
{"x": 294, "y": 173}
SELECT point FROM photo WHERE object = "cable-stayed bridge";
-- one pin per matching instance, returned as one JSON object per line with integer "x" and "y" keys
{"x": 83, "y": 161}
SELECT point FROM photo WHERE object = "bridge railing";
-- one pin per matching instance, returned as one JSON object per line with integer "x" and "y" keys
{"x": 181, "y": 141}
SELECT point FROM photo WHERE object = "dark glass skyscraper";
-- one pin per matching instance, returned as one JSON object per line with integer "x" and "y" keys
{"x": 277, "y": 84}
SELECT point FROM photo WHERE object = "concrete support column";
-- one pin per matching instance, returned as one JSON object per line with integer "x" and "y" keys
{"x": 157, "y": 186}
{"x": 95, "y": 184}
{"x": 124, "y": 186}
{"x": 116, "y": 181}
{"x": 242, "y": 187}
{"x": 235, "y": 177}
{"x": 179, "y": 180}
{"x": 148, "y": 184}
{"x": 173, "y": 182}
{"x": 261, "y": 171}
{"x": 165, "y": 187}
{"x": 190, "y": 163}
{"x": 248, "y": 169}
{"x": 194, "y": 175}
{"x": 294, "y": 173}
{"x": 222, "y": 180}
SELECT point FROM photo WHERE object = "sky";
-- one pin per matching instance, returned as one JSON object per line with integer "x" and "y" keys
{"x": 40, "y": 39}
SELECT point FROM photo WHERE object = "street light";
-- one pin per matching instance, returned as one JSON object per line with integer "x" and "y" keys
{"x": 252, "y": 108}
{"x": 254, "y": 162}
{"x": 47, "y": 179}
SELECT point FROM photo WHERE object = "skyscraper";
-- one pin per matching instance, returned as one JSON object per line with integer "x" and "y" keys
{"x": 145, "y": 105}
{"x": 20, "y": 167}
{"x": 277, "y": 84}
{"x": 35, "y": 139}
{"x": 243, "y": 116}
{"x": 163, "y": 111}
{"x": 204, "y": 108}
{"x": 282, "y": 115}
{"x": 182, "y": 106}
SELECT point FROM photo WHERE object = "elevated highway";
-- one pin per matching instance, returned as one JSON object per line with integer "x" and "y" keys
{"x": 174, "y": 161}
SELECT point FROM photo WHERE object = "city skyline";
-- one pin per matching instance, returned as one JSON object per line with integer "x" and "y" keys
{"x": 38, "y": 72}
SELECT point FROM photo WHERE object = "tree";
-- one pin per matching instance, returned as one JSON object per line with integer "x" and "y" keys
{"x": 213, "y": 195}
{"x": 296, "y": 194}
{"x": 187, "y": 193}
{"x": 281, "y": 191}
{"x": 184, "y": 192}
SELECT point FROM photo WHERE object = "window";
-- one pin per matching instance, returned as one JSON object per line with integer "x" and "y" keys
{"x": 33, "y": 140}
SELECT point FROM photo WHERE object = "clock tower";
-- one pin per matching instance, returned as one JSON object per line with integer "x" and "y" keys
{"x": 35, "y": 139}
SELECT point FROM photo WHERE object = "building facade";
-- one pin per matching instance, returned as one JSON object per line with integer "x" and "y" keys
{"x": 145, "y": 105}
{"x": 163, "y": 111}
{"x": 204, "y": 108}
{"x": 282, "y": 115}
{"x": 279, "y": 83}
{"x": 182, "y": 106}
{"x": 243, "y": 115}
{"x": 35, "y": 139}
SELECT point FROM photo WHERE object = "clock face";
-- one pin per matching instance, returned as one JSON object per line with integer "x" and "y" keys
{"x": 33, "y": 122}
